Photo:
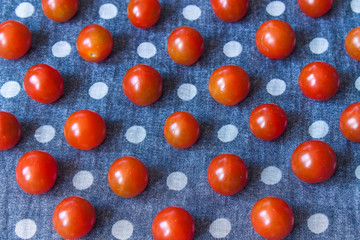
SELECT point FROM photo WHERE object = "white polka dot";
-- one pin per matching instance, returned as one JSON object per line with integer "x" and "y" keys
{"x": 122, "y": 229}
{"x": 357, "y": 172}
{"x": 318, "y": 45}
{"x": 98, "y": 90}
{"x": 24, "y": 10}
{"x": 61, "y": 49}
{"x": 25, "y": 228}
{"x": 318, "y": 223}
{"x": 146, "y": 50}
{"x": 355, "y": 6}
{"x": 10, "y": 89}
{"x": 135, "y": 134}
{"x": 191, "y": 12}
{"x": 276, "y": 87}
{"x": 232, "y": 49}
{"x": 271, "y": 175}
{"x": 275, "y": 8}
{"x": 44, "y": 134}
{"x": 357, "y": 83}
{"x": 108, "y": 11}
{"x": 220, "y": 228}
{"x": 227, "y": 133}
{"x": 187, "y": 91}
{"x": 83, "y": 180}
{"x": 318, "y": 129}
{"x": 176, "y": 181}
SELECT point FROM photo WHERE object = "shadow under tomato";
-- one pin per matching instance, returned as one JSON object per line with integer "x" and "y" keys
{"x": 71, "y": 86}
{"x": 112, "y": 139}
{"x": 201, "y": 226}
{"x": 167, "y": 12}
{"x": 66, "y": 171}
{"x": 206, "y": 131}
{"x": 155, "y": 175}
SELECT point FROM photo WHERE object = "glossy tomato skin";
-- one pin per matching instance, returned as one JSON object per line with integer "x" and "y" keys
{"x": 173, "y": 223}
{"x": 352, "y": 43}
{"x": 272, "y": 218}
{"x": 15, "y": 39}
{"x": 227, "y": 174}
{"x": 60, "y": 10}
{"x": 275, "y": 39}
{"x": 185, "y": 45}
{"x": 319, "y": 81}
{"x": 229, "y": 85}
{"x": 73, "y": 217}
{"x": 315, "y": 8}
{"x": 268, "y": 121}
{"x": 142, "y": 84}
{"x": 85, "y": 129}
{"x": 350, "y": 122}
{"x": 230, "y": 10}
{"x": 143, "y": 13}
{"x": 10, "y": 130}
{"x": 181, "y": 130}
{"x": 94, "y": 43}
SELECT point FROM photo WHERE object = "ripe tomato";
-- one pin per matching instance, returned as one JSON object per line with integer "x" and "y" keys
{"x": 10, "y": 130}
{"x": 227, "y": 174}
{"x": 230, "y": 10}
{"x": 143, "y": 13}
{"x": 268, "y": 121}
{"x": 142, "y": 84}
{"x": 36, "y": 172}
{"x": 128, "y": 177}
{"x": 181, "y": 130}
{"x": 272, "y": 218}
{"x": 15, "y": 39}
{"x": 185, "y": 45}
{"x": 352, "y": 43}
{"x": 315, "y": 8}
{"x": 229, "y": 85}
{"x": 94, "y": 43}
{"x": 60, "y": 10}
{"x": 319, "y": 81}
{"x": 275, "y": 39}
{"x": 350, "y": 122}
{"x": 73, "y": 217}
{"x": 85, "y": 129}
{"x": 173, "y": 223}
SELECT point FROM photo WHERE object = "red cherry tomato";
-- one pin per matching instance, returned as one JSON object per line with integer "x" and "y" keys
{"x": 94, "y": 43}
{"x": 350, "y": 122}
{"x": 268, "y": 121}
{"x": 36, "y": 172}
{"x": 275, "y": 39}
{"x": 227, "y": 174}
{"x": 185, "y": 45}
{"x": 10, "y": 130}
{"x": 315, "y": 8}
{"x": 142, "y": 84}
{"x": 73, "y": 217}
{"x": 272, "y": 218}
{"x": 229, "y": 85}
{"x": 181, "y": 130}
{"x": 352, "y": 43}
{"x": 15, "y": 39}
{"x": 128, "y": 177}
{"x": 85, "y": 129}
{"x": 319, "y": 81}
{"x": 230, "y": 10}
{"x": 173, "y": 223}
{"x": 60, "y": 10}
{"x": 143, "y": 13}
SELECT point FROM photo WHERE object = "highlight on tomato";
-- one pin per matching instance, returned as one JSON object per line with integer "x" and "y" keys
{"x": 352, "y": 43}
{"x": 230, "y": 10}
{"x": 350, "y": 122}
{"x": 60, "y": 10}
{"x": 143, "y": 13}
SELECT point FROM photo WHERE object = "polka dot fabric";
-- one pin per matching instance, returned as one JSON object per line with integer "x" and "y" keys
{"x": 177, "y": 177}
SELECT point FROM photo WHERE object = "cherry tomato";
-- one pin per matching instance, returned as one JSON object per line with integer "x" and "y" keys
{"x": 173, "y": 223}
{"x": 350, "y": 122}
{"x": 15, "y": 39}
{"x": 185, "y": 45}
{"x": 229, "y": 85}
{"x": 227, "y": 174}
{"x": 94, "y": 43}
{"x": 268, "y": 121}
{"x": 85, "y": 129}
{"x": 230, "y": 10}
{"x": 275, "y": 39}
{"x": 181, "y": 130}
{"x": 143, "y": 13}
{"x": 36, "y": 172}
{"x": 128, "y": 177}
{"x": 10, "y": 130}
{"x": 315, "y": 8}
{"x": 319, "y": 81}
{"x": 272, "y": 218}
{"x": 73, "y": 217}
{"x": 352, "y": 43}
{"x": 142, "y": 84}
{"x": 60, "y": 10}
